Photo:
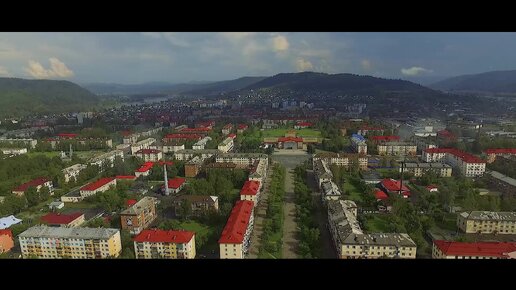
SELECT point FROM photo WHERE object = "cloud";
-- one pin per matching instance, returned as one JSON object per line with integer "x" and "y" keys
{"x": 151, "y": 34}
{"x": 303, "y": 65}
{"x": 3, "y": 71}
{"x": 366, "y": 64}
{"x": 57, "y": 69}
{"x": 236, "y": 36}
{"x": 415, "y": 70}
{"x": 280, "y": 43}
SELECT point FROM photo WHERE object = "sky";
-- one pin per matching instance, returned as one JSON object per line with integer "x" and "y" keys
{"x": 139, "y": 57}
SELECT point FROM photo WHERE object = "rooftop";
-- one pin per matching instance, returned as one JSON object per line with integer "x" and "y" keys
{"x": 148, "y": 151}
{"x": 250, "y": 187}
{"x": 96, "y": 184}
{"x": 176, "y": 182}
{"x": 466, "y": 157}
{"x": 71, "y": 233}
{"x": 60, "y": 219}
{"x": 503, "y": 178}
{"x": 501, "y": 151}
{"x": 34, "y": 183}
{"x": 6, "y": 232}
{"x": 490, "y": 215}
{"x": 358, "y": 137}
{"x": 140, "y": 206}
{"x": 162, "y": 236}
{"x": 426, "y": 165}
{"x": 236, "y": 226}
{"x": 478, "y": 249}
{"x": 198, "y": 198}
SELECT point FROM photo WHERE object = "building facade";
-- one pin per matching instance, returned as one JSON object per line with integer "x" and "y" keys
{"x": 73, "y": 243}
{"x": 226, "y": 145}
{"x": 38, "y": 183}
{"x": 161, "y": 244}
{"x": 235, "y": 239}
{"x": 487, "y": 222}
{"x": 418, "y": 169}
{"x": 396, "y": 148}
{"x": 468, "y": 164}
{"x": 71, "y": 173}
{"x": 139, "y": 216}
{"x": 149, "y": 154}
{"x": 478, "y": 250}
{"x": 101, "y": 185}
{"x": 358, "y": 143}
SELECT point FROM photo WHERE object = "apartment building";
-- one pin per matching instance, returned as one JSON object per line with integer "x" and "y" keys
{"x": 101, "y": 185}
{"x": 170, "y": 147}
{"x": 322, "y": 171}
{"x": 13, "y": 151}
{"x": 139, "y": 216}
{"x": 358, "y": 143}
{"x": 391, "y": 186}
{"x": 343, "y": 159}
{"x": 143, "y": 144}
{"x": 179, "y": 137}
{"x": 493, "y": 153}
{"x": 468, "y": 164}
{"x": 200, "y": 204}
{"x": 226, "y": 145}
{"x": 70, "y": 173}
{"x": 365, "y": 130}
{"x": 38, "y": 183}
{"x": 251, "y": 191}
{"x": 201, "y": 144}
{"x": 240, "y": 159}
{"x": 487, "y": 222}
{"x": 352, "y": 243}
{"x": 419, "y": 168}
{"x": 149, "y": 154}
{"x": 235, "y": 238}
{"x": 478, "y": 250}
{"x": 70, "y": 220}
{"x": 162, "y": 244}
{"x": 107, "y": 159}
{"x": 330, "y": 191}
{"x": 258, "y": 171}
{"x": 396, "y": 148}
{"x": 72, "y": 243}
{"x": 187, "y": 154}
{"x": 193, "y": 167}
{"x": 133, "y": 138}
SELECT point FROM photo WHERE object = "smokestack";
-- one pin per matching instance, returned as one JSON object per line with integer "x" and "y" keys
{"x": 167, "y": 191}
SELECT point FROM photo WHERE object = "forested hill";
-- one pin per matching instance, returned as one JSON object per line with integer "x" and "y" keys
{"x": 492, "y": 82}
{"x": 341, "y": 84}
{"x": 19, "y": 97}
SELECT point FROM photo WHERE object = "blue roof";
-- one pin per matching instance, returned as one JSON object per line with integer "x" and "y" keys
{"x": 358, "y": 136}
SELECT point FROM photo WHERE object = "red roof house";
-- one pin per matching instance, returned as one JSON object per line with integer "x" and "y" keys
{"x": 126, "y": 177}
{"x": 479, "y": 249}
{"x": 163, "y": 236}
{"x": 238, "y": 221}
{"x": 386, "y": 138}
{"x": 380, "y": 195}
{"x": 251, "y": 187}
{"x": 33, "y": 183}
{"x": 97, "y": 184}
{"x": 393, "y": 186}
{"x": 6, "y": 232}
{"x": 63, "y": 220}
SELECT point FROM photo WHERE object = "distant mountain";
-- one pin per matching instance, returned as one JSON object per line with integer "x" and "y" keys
{"x": 489, "y": 82}
{"x": 22, "y": 97}
{"x": 340, "y": 84}
{"x": 218, "y": 88}
{"x": 191, "y": 88}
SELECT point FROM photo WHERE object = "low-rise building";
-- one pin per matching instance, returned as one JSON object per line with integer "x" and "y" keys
{"x": 6, "y": 241}
{"x": 162, "y": 244}
{"x": 149, "y": 154}
{"x": 193, "y": 167}
{"x": 385, "y": 138}
{"x": 70, "y": 220}
{"x": 13, "y": 151}
{"x": 251, "y": 191}
{"x": 201, "y": 144}
{"x": 171, "y": 147}
{"x": 322, "y": 171}
{"x": 143, "y": 144}
{"x": 419, "y": 168}
{"x": 132, "y": 138}
{"x": 241, "y": 128}
{"x": 73, "y": 243}
{"x": 145, "y": 169}
{"x": 226, "y": 145}
{"x": 100, "y": 185}
{"x": 330, "y": 191}
{"x": 18, "y": 142}
{"x": 38, "y": 183}
{"x": 397, "y": 148}
{"x": 503, "y": 183}
{"x": 200, "y": 204}
{"x": 365, "y": 130}
{"x": 343, "y": 159}
{"x": 139, "y": 216}
{"x": 352, "y": 243}
{"x": 392, "y": 186}
{"x": 187, "y": 154}
{"x": 477, "y": 250}
{"x": 227, "y": 129}
{"x": 487, "y": 222}
{"x": 493, "y": 153}
{"x": 107, "y": 159}
{"x": 71, "y": 173}
{"x": 55, "y": 205}
{"x": 258, "y": 171}
{"x": 235, "y": 238}
{"x": 179, "y": 137}
{"x": 242, "y": 159}
{"x": 358, "y": 143}
{"x": 176, "y": 184}
{"x": 469, "y": 165}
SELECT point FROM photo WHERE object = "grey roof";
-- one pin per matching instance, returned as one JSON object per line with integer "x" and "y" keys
{"x": 141, "y": 205}
{"x": 195, "y": 161}
{"x": 242, "y": 155}
{"x": 329, "y": 188}
{"x": 380, "y": 239}
{"x": 503, "y": 178}
{"x": 70, "y": 233}
{"x": 437, "y": 165}
{"x": 490, "y": 215}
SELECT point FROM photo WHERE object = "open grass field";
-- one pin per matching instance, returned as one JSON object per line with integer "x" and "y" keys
{"x": 353, "y": 193}
{"x": 376, "y": 223}
{"x": 282, "y": 132}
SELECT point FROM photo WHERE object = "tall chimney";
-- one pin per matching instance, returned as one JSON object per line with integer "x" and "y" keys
{"x": 167, "y": 191}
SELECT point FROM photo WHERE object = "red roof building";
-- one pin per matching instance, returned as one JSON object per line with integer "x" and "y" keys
{"x": 236, "y": 227}
{"x": 6, "y": 240}
{"x": 176, "y": 183}
{"x": 178, "y": 136}
{"x": 301, "y": 125}
{"x": 63, "y": 220}
{"x": 98, "y": 184}
{"x": 145, "y": 167}
{"x": 67, "y": 135}
{"x": 195, "y": 130}
{"x": 445, "y": 134}
{"x": 130, "y": 202}
{"x": 232, "y": 135}
{"x": 466, "y": 157}
{"x": 290, "y": 139}
{"x": 494, "y": 250}
{"x": 6, "y": 232}
{"x": 33, "y": 183}
{"x": 501, "y": 151}
{"x": 242, "y": 126}
{"x": 393, "y": 186}
{"x": 162, "y": 236}
{"x": 380, "y": 195}
{"x": 126, "y": 177}
{"x": 206, "y": 124}
{"x": 251, "y": 187}
{"x": 432, "y": 188}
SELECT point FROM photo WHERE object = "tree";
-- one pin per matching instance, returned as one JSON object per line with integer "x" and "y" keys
{"x": 127, "y": 245}
{"x": 44, "y": 193}
{"x": 186, "y": 209}
{"x": 32, "y": 196}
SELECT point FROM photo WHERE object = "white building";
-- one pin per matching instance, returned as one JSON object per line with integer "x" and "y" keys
{"x": 73, "y": 171}
{"x": 226, "y": 145}
{"x": 242, "y": 159}
{"x": 14, "y": 151}
{"x": 187, "y": 154}
{"x": 199, "y": 145}
{"x": 107, "y": 159}
{"x": 143, "y": 144}
{"x": 149, "y": 154}
{"x": 468, "y": 164}
{"x": 95, "y": 187}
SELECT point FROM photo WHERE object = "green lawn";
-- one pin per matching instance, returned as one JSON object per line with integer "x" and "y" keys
{"x": 376, "y": 223}
{"x": 196, "y": 227}
{"x": 81, "y": 204}
{"x": 300, "y": 133}
{"x": 449, "y": 223}
{"x": 353, "y": 193}
{"x": 264, "y": 254}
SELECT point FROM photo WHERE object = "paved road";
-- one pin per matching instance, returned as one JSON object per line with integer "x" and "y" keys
{"x": 290, "y": 159}
{"x": 259, "y": 216}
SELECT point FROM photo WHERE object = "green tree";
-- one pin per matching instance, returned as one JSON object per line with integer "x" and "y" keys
{"x": 32, "y": 196}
